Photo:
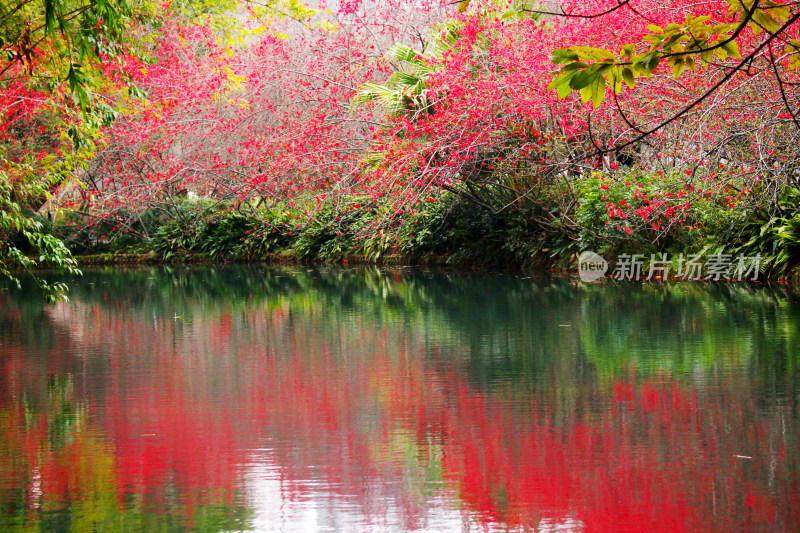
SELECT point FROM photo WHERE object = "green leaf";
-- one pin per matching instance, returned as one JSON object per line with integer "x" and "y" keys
{"x": 677, "y": 67}
{"x": 700, "y": 21}
{"x": 779, "y": 11}
{"x": 627, "y": 51}
{"x": 722, "y": 29}
{"x": 598, "y": 91}
{"x": 563, "y": 55}
{"x": 627, "y": 75}
{"x": 762, "y": 19}
{"x": 403, "y": 52}
{"x": 405, "y": 78}
{"x": 564, "y": 90}
{"x": 671, "y": 41}
{"x": 562, "y": 78}
{"x": 732, "y": 48}
{"x": 615, "y": 77}
{"x": 586, "y": 94}
{"x": 582, "y": 79}
{"x": 49, "y": 15}
{"x": 652, "y": 63}
{"x": 599, "y": 53}
{"x": 574, "y": 65}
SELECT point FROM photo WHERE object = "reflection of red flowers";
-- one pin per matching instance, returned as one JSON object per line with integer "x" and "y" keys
{"x": 648, "y": 459}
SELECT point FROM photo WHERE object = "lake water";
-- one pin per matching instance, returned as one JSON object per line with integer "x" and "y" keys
{"x": 239, "y": 398}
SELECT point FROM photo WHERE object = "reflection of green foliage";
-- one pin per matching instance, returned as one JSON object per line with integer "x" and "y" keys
{"x": 684, "y": 327}
{"x": 496, "y": 327}
{"x": 106, "y": 514}
{"x": 65, "y": 416}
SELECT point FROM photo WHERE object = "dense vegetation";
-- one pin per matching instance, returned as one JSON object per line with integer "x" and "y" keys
{"x": 492, "y": 132}
{"x": 445, "y": 230}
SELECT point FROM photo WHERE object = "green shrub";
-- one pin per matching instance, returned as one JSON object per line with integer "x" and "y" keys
{"x": 774, "y": 236}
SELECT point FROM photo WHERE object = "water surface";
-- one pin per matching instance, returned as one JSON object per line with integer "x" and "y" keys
{"x": 241, "y": 398}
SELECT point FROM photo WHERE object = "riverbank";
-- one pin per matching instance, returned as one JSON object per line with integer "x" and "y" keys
{"x": 150, "y": 258}
{"x": 542, "y": 233}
